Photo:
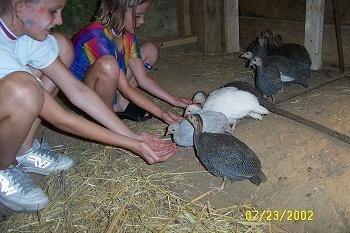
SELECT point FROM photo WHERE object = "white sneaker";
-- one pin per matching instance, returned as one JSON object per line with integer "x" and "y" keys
{"x": 40, "y": 159}
{"x": 19, "y": 193}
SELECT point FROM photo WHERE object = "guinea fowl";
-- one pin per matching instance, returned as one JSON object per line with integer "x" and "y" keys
{"x": 225, "y": 156}
{"x": 258, "y": 47}
{"x": 267, "y": 79}
{"x": 288, "y": 68}
{"x": 233, "y": 103}
{"x": 269, "y": 45}
{"x": 245, "y": 86}
{"x": 271, "y": 42}
{"x": 200, "y": 96}
{"x": 278, "y": 40}
{"x": 296, "y": 52}
{"x": 182, "y": 132}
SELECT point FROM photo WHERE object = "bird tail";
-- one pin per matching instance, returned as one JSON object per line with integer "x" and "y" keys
{"x": 262, "y": 110}
{"x": 301, "y": 81}
{"x": 258, "y": 178}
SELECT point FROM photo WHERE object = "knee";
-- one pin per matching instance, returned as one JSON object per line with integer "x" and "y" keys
{"x": 108, "y": 68}
{"x": 23, "y": 91}
{"x": 149, "y": 52}
{"x": 66, "y": 50}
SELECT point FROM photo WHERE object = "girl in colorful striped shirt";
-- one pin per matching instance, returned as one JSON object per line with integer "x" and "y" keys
{"x": 109, "y": 59}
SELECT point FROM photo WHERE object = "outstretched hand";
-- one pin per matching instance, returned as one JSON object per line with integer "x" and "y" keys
{"x": 154, "y": 149}
{"x": 182, "y": 102}
{"x": 169, "y": 117}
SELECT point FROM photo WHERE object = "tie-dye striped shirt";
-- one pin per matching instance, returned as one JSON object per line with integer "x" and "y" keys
{"x": 94, "y": 41}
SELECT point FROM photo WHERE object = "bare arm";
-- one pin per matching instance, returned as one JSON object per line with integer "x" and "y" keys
{"x": 85, "y": 98}
{"x": 134, "y": 95}
{"x": 73, "y": 123}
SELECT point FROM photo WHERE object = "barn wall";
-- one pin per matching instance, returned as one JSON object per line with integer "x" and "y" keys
{"x": 285, "y": 17}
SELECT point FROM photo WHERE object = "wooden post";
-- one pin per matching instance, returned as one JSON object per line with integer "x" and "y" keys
{"x": 208, "y": 25}
{"x": 338, "y": 6}
{"x": 231, "y": 15}
{"x": 314, "y": 31}
{"x": 183, "y": 18}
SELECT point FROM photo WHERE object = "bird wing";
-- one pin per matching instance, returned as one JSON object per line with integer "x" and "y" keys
{"x": 225, "y": 155}
{"x": 268, "y": 79}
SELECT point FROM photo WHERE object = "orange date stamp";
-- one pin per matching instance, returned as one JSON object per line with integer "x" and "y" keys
{"x": 279, "y": 215}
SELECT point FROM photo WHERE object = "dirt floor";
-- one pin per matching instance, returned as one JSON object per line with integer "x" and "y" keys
{"x": 307, "y": 171}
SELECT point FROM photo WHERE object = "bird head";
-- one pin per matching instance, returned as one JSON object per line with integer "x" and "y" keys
{"x": 199, "y": 98}
{"x": 192, "y": 109}
{"x": 247, "y": 55}
{"x": 172, "y": 128}
{"x": 256, "y": 61}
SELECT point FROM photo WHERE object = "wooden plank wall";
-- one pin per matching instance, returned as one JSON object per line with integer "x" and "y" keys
{"x": 208, "y": 25}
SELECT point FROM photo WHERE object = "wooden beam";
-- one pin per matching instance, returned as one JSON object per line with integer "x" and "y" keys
{"x": 337, "y": 7}
{"x": 208, "y": 25}
{"x": 231, "y": 14}
{"x": 183, "y": 18}
{"x": 314, "y": 31}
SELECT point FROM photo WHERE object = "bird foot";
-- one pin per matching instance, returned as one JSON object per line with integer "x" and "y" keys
{"x": 222, "y": 186}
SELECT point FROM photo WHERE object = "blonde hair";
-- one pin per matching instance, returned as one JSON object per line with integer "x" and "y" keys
{"x": 112, "y": 12}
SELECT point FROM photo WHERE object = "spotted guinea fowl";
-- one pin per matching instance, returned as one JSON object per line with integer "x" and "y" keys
{"x": 233, "y": 103}
{"x": 265, "y": 46}
{"x": 288, "y": 68}
{"x": 258, "y": 47}
{"x": 294, "y": 51}
{"x": 182, "y": 132}
{"x": 267, "y": 79}
{"x": 271, "y": 43}
{"x": 225, "y": 156}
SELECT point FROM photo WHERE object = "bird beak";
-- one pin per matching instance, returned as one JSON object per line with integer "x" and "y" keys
{"x": 243, "y": 55}
{"x": 167, "y": 133}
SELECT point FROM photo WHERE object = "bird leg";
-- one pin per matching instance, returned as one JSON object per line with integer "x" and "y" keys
{"x": 233, "y": 126}
{"x": 222, "y": 186}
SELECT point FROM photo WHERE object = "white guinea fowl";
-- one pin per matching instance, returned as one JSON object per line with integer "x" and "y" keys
{"x": 234, "y": 104}
{"x": 200, "y": 96}
{"x": 213, "y": 122}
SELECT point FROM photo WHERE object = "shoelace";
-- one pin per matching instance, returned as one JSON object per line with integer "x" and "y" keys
{"x": 45, "y": 150}
{"x": 20, "y": 178}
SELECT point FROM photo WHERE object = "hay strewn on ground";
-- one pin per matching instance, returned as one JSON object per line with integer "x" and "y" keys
{"x": 110, "y": 191}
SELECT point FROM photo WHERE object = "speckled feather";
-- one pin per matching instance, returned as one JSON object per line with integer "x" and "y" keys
{"x": 226, "y": 156}
{"x": 267, "y": 79}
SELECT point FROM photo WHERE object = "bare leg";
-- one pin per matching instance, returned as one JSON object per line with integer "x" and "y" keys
{"x": 149, "y": 54}
{"x": 66, "y": 55}
{"x": 18, "y": 90}
{"x": 102, "y": 77}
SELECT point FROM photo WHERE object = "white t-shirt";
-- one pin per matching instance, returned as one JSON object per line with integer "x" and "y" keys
{"x": 19, "y": 54}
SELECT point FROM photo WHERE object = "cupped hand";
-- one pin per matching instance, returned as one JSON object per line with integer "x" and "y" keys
{"x": 154, "y": 149}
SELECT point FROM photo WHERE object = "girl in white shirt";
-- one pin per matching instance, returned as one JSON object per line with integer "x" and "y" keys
{"x": 33, "y": 63}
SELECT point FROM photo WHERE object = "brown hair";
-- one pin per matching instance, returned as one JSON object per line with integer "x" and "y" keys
{"x": 5, "y": 7}
{"x": 112, "y": 12}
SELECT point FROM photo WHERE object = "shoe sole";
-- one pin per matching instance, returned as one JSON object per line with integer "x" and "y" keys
{"x": 23, "y": 207}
